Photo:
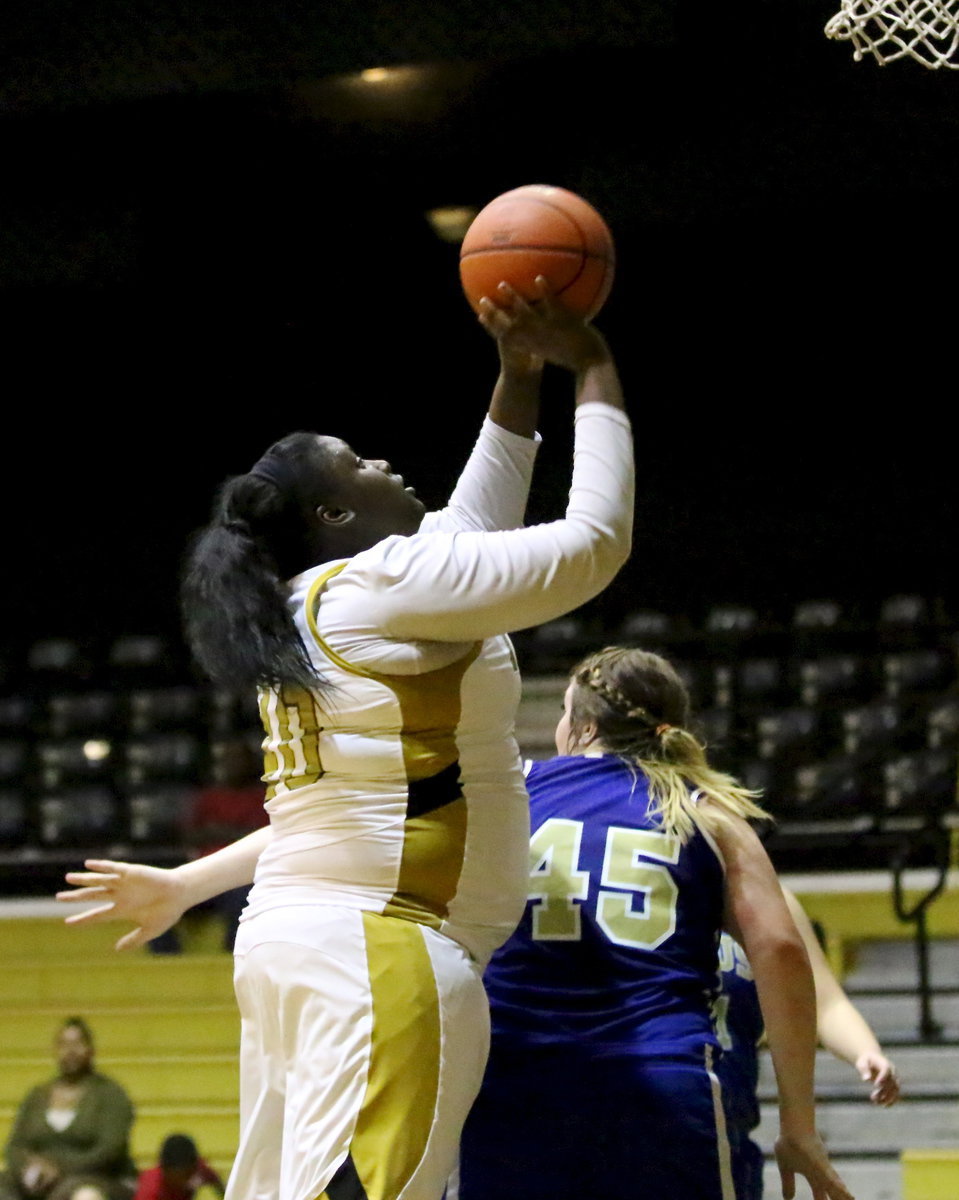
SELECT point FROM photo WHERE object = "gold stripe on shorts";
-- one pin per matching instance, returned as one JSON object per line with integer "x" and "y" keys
{"x": 397, "y": 1113}
{"x": 722, "y": 1138}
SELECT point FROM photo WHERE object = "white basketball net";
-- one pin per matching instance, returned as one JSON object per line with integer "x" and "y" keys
{"x": 924, "y": 30}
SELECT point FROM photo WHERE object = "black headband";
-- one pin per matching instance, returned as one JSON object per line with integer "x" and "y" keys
{"x": 278, "y": 471}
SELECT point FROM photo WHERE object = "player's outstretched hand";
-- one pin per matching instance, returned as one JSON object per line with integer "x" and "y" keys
{"x": 806, "y": 1156}
{"x": 150, "y": 897}
{"x": 541, "y": 329}
{"x": 879, "y": 1071}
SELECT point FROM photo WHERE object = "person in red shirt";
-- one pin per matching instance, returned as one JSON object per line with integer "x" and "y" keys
{"x": 180, "y": 1173}
{"x": 229, "y": 807}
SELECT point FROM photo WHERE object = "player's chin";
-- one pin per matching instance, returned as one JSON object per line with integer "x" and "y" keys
{"x": 417, "y": 510}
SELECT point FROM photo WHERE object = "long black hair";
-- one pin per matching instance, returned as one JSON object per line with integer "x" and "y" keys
{"x": 233, "y": 595}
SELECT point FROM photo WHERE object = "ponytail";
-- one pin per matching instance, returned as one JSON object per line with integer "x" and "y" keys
{"x": 640, "y": 708}
{"x": 233, "y": 594}
{"x": 677, "y": 760}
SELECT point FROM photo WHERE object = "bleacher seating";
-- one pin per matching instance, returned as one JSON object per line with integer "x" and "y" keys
{"x": 162, "y": 756}
{"x": 101, "y": 741}
{"x": 78, "y": 816}
{"x": 838, "y": 711}
{"x": 153, "y": 709}
{"x": 59, "y": 659}
{"x": 14, "y": 823}
{"x": 157, "y": 813}
{"x": 147, "y": 659}
{"x": 80, "y": 712}
{"x": 166, "y": 1028}
{"x": 846, "y": 717}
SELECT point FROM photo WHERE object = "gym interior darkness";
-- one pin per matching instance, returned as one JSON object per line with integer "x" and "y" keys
{"x": 213, "y": 231}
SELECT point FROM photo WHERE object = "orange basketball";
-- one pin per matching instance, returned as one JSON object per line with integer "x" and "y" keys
{"x": 539, "y": 230}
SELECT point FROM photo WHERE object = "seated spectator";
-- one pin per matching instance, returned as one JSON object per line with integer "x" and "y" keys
{"x": 230, "y": 807}
{"x": 70, "y": 1138}
{"x": 179, "y": 1174}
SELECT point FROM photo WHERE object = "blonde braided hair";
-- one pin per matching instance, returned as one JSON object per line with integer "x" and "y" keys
{"x": 639, "y": 707}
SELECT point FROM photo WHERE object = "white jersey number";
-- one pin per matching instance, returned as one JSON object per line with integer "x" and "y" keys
{"x": 556, "y": 882}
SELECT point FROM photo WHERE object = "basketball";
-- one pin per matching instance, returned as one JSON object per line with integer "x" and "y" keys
{"x": 539, "y": 230}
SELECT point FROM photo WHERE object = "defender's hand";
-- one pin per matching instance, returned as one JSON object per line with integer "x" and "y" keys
{"x": 880, "y": 1072}
{"x": 806, "y": 1155}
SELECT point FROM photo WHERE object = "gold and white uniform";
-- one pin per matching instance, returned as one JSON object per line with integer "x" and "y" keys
{"x": 400, "y": 830}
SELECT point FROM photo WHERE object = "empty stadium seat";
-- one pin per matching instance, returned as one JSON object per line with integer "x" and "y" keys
{"x": 723, "y": 684}
{"x": 917, "y": 671}
{"x": 731, "y": 620}
{"x": 79, "y": 816}
{"x": 715, "y": 727}
{"x": 145, "y": 660}
{"x": 903, "y": 620}
{"x": 698, "y": 681}
{"x": 870, "y": 726}
{"x": 750, "y": 683}
{"x": 158, "y": 757}
{"x": 162, "y": 708}
{"x": 554, "y": 645}
{"x": 231, "y": 712}
{"x": 14, "y": 759}
{"x": 54, "y": 660}
{"x": 564, "y": 631}
{"x": 942, "y": 724}
{"x": 763, "y": 681}
{"x": 156, "y": 815}
{"x": 815, "y": 615}
{"x": 835, "y": 677}
{"x": 80, "y": 712}
{"x": 787, "y": 733}
{"x": 14, "y": 821}
{"x": 906, "y": 611}
{"x": 647, "y": 628}
{"x": 924, "y": 782}
{"x": 17, "y": 712}
{"x": 834, "y": 787}
{"x": 762, "y": 775}
{"x": 70, "y": 760}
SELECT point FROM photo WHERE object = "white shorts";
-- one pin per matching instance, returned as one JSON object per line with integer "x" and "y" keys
{"x": 360, "y": 1056}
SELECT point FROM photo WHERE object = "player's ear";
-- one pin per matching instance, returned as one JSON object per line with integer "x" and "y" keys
{"x": 582, "y": 738}
{"x": 328, "y": 514}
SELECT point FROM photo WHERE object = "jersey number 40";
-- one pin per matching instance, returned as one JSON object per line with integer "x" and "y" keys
{"x": 632, "y": 864}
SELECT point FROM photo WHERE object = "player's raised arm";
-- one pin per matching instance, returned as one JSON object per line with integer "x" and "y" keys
{"x": 545, "y": 330}
{"x": 516, "y": 396}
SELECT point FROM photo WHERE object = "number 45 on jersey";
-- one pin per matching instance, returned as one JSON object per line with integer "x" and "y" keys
{"x": 633, "y": 871}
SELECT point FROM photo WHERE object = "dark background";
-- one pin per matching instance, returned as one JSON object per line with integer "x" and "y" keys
{"x": 211, "y": 234}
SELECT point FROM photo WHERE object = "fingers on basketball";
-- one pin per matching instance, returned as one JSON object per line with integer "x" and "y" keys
{"x": 533, "y": 232}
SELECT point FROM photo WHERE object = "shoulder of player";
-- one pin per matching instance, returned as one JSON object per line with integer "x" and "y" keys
{"x": 571, "y": 764}
{"x": 733, "y": 834}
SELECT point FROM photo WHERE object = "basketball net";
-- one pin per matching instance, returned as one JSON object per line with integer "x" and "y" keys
{"x": 924, "y": 30}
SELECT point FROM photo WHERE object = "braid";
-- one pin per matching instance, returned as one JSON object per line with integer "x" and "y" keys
{"x": 616, "y": 698}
